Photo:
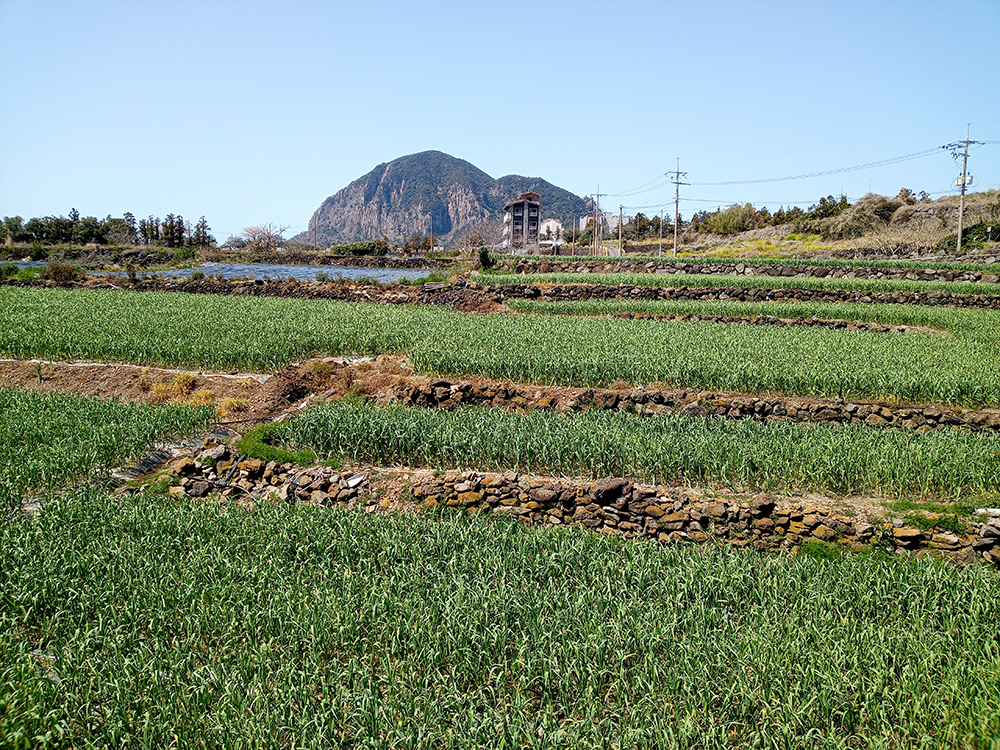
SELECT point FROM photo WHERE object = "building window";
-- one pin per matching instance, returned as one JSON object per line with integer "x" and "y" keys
{"x": 533, "y": 225}
{"x": 518, "y": 211}
{"x": 533, "y": 212}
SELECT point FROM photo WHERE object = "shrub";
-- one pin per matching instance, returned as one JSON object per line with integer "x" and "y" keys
{"x": 485, "y": 261}
{"x": 38, "y": 251}
{"x": 184, "y": 253}
{"x": 733, "y": 220}
{"x": 367, "y": 247}
{"x": 871, "y": 212}
{"x": 197, "y": 276}
{"x": 973, "y": 238}
{"x": 61, "y": 273}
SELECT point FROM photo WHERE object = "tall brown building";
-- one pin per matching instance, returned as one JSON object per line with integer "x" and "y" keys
{"x": 521, "y": 220}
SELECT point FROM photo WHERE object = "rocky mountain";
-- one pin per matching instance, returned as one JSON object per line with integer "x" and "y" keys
{"x": 429, "y": 191}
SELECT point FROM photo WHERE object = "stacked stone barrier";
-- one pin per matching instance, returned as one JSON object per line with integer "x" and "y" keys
{"x": 737, "y": 268}
{"x": 670, "y": 515}
{"x": 465, "y": 293}
{"x": 579, "y": 292}
{"x": 448, "y": 394}
{"x": 611, "y": 506}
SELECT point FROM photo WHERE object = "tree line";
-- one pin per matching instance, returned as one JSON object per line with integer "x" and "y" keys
{"x": 171, "y": 231}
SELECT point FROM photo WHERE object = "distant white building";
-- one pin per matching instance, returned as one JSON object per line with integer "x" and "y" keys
{"x": 551, "y": 225}
{"x": 586, "y": 220}
{"x": 612, "y": 220}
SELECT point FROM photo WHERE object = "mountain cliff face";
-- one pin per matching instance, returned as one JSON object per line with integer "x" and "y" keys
{"x": 429, "y": 191}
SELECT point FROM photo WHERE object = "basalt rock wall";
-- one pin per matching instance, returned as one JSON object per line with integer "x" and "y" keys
{"x": 448, "y": 394}
{"x": 576, "y": 292}
{"x": 735, "y": 268}
{"x": 617, "y": 506}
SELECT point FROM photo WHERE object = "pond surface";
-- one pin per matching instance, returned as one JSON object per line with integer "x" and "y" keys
{"x": 270, "y": 271}
{"x": 299, "y": 273}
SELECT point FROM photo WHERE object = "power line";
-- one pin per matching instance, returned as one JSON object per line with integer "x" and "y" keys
{"x": 856, "y": 168}
{"x": 660, "y": 182}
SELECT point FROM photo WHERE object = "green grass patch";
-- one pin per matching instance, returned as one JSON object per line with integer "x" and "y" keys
{"x": 943, "y": 523}
{"x": 820, "y": 550}
{"x": 264, "y": 442}
{"x": 129, "y": 623}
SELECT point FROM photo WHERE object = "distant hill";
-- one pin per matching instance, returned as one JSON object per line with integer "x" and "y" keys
{"x": 402, "y": 197}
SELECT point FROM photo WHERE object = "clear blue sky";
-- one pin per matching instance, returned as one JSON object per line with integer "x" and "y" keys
{"x": 254, "y": 112}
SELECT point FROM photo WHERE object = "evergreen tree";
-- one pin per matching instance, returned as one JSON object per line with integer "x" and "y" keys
{"x": 201, "y": 235}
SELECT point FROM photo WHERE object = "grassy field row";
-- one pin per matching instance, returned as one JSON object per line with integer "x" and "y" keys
{"x": 975, "y": 323}
{"x": 127, "y": 622}
{"x": 47, "y": 440}
{"x": 266, "y": 333}
{"x": 709, "y": 260}
{"x": 668, "y": 449}
{"x": 725, "y": 281}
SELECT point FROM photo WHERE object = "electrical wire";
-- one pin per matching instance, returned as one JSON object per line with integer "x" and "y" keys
{"x": 856, "y": 168}
{"x": 659, "y": 182}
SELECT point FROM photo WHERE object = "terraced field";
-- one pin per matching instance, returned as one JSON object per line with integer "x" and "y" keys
{"x": 265, "y": 333}
{"x": 157, "y": 615}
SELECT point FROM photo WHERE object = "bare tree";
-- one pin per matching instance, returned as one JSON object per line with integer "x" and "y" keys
{"x": 486, "y": 233}
{"x": 264, "y": 238}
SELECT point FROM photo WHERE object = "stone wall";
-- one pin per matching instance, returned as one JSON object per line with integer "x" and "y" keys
{"x": 448, "y": 394}
{"x": 617, "y": 506}
{"x": 527, "y": 265}
{"x": 610, "y": 506}
{"x": 576, "y": 292}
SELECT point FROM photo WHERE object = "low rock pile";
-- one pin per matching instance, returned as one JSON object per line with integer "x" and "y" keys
{"x": 617, "y": 506}
{"x": 217, "y": 472}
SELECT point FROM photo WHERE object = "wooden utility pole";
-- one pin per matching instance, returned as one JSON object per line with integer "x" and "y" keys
{"x": 659, "y": 252}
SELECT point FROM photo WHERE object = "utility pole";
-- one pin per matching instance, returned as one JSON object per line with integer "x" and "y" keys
{"x": 961, "y": 202}
{"x": 598, "y": 220}
{"x": 620, "y": 215}
{"x": 677, "y": 173}
{"x": 965, "y": 180}
{"x": 660, "y": 250}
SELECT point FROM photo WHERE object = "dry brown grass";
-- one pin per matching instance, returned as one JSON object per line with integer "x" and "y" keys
{"x": 233, "y": 405}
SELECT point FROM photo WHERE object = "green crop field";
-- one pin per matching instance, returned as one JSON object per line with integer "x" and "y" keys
{"x": 136, "y": 622}
{"x": 248, "y": 332}
{"x": 668, "y": 449}
{"x": 709, "y": 260}
{"x": 141, "y": 621}
{"x": 968, "y": 322}
{"x": 723, "y": 281}
{"x": 47, "y": 440}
